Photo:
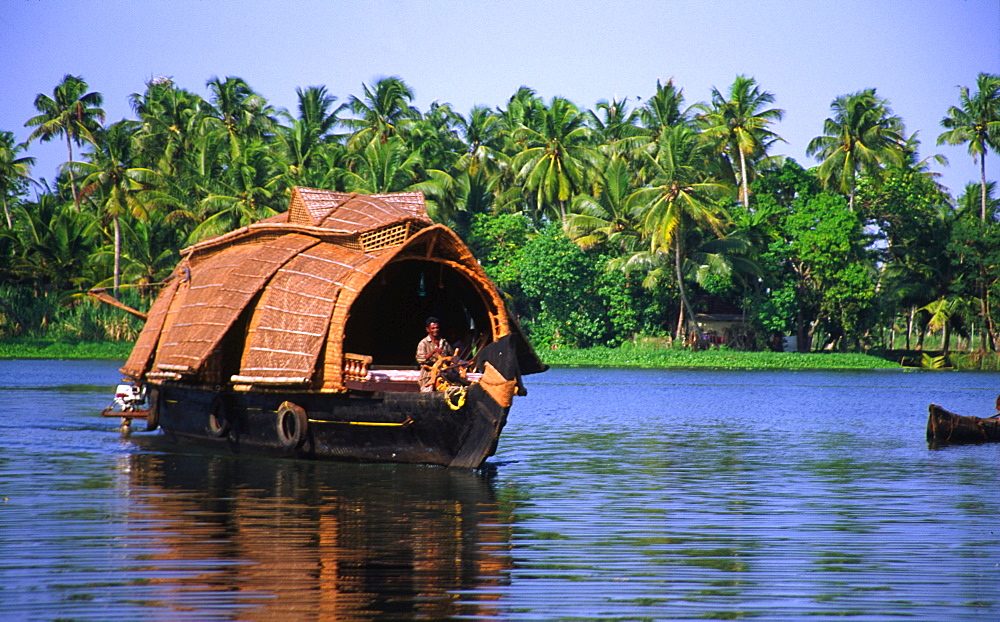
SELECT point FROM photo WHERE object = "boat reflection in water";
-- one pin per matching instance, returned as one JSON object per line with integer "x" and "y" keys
{"x": 330, "y": 541}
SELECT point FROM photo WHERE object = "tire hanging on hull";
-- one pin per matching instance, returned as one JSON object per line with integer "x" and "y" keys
{"x": 218, "y": 420}
{"x": 291, "y": 425}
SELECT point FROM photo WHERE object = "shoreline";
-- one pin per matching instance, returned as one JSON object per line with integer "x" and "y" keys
{"x": 627, "y": 356}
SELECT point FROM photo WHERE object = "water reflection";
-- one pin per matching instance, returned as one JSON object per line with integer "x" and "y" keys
{"x": 338, "y": 542}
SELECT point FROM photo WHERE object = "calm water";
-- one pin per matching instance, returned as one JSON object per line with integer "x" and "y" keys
{"x": 615, "y": 495}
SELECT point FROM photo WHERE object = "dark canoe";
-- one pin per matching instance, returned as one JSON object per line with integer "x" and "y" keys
{"x": 947, "y": 428}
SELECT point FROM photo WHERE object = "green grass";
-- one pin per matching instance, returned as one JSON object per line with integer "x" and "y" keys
{"x": 59, "y": 349}
{"x": 630, "y": 355}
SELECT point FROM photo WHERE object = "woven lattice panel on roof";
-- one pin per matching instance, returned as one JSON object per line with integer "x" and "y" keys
{"x": 220, "y": 289}
{"x": 385, "y": 237}
{"x": 292, "y": 319}
{"x": 142, "y": 353}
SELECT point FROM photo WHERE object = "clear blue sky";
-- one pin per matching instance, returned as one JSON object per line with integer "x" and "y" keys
{"x": 469, "y": 52}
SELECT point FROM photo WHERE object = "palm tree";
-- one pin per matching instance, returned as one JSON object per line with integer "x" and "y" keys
{"x": 862, "y": 136}
{"x": 146, "y": 257}
{"x": 52, "y": 244}
{"x": 524, "y": 108}
{"x": 607, "y": 217}
{"x": 168, "y": 136}
{"x": 239, "y": 111}
{"x": 613, "y": 121}
{"x": 557, "y": 157}
{"x": 13, "y": 171}
{"x": 249, "y": 191}
{"x": 391, "y": 166}
{"x": 381, "y": 111}
{"x": 383, "y": 167}
{"x": 737, "y": 124}
{"x": 306, "y": 135}
{"x": 484, "y": 141}
{"x": 70, "y": 112}
{"x": 679, "y": 192}
{"x": 118, "y": 186}
{"x": 663, "y": 109}
{"x": 944, "y": 313}
{"x": 977, "y": 122}
{"x": 435, "y": 135}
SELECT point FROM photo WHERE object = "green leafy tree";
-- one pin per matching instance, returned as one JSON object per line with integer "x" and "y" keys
{"x": 910, "y": 217}
{"x": 976, "y": 121}
{"x": 974, "y": 249}
{"x": 826, "y": 248}
{"x": 496, "y": 239}
{"x": 562, "y": 293}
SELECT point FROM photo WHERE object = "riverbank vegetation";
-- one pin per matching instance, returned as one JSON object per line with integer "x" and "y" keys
{"x": 681, "y": 224}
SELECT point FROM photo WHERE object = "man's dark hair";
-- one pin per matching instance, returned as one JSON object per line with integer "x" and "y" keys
{"x": 431, "y": 320}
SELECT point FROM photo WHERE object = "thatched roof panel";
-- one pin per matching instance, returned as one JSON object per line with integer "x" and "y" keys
{"x": 220, "y": 289}
{"x": 354, "y": 212}
{"x": 292, "y": 319}
{"x": 145, "y": 346}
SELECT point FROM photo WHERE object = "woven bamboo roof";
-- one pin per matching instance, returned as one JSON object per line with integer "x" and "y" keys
{"x": 278, "y": 294}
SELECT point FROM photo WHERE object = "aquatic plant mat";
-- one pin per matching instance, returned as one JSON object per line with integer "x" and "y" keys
{"x": 664, "y": 358}
{"x": 66, "y": 350}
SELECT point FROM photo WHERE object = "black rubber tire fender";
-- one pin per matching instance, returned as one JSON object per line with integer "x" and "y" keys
{"x": 153, "y": 418}
{"x": 218, "y": 419}
{"x": 292, "y": 424}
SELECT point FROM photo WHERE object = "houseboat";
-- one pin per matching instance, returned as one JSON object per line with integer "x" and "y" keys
{"x": 296, "y": 336}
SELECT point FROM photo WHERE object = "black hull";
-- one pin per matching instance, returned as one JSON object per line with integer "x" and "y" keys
{"x": 947, "y": 428}
{"x": 418, "y": 428}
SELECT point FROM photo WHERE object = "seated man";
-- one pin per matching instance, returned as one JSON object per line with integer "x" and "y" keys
{"x": 429, "y": 350}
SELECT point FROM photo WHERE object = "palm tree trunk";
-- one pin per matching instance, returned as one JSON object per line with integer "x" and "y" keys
{"x": 679, "y": 331}
{"x": 990, "y": 328}
{"x": 6, "y": 212}
{"x": 72, "y": 179}
{"x": 909, "y": 325}
{"x": 743, "y": 178}
{"x": 982, "y": 185}
{"x": 680, "y": 283}
{"x": 118, "y": 256}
